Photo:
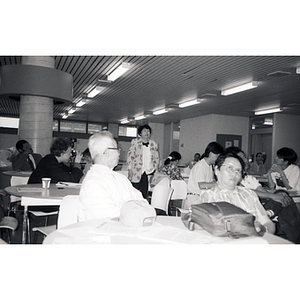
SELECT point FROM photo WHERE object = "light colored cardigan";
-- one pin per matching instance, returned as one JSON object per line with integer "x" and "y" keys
{"x": 135, "y": 157}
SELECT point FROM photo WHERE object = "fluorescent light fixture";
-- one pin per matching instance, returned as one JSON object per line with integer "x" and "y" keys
{"x": 267, "y": 111}
{"x": 268, "y": 122}
{"x": 65, "y": 115}
{"x": 140, "y": 117}
{"x": 81, "y": 102}
{"x": 95, "y": 91}
{"x": 189, "y": 103}
{"x": 119, "y": 71}
{"x": 125, "y": 121}
{"x": 241, "y": 88}
{"x": 72, "y": 110}
{"x": 161, "y": 111}
{"x": 298, "y": 70}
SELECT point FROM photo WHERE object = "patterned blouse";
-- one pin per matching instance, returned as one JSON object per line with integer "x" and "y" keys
{"x": 171, "y": 170}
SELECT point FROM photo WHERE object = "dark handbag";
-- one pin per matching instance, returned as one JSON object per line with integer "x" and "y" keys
{"x": 222, "y": 219}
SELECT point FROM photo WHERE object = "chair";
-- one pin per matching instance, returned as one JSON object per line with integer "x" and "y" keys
{"x": 160, "y": 198}
{"x": 15, "y": 201}
{"x": 178, "y": 195}
{"x": 69, "y": 213}
{"x": 10, "y": 224}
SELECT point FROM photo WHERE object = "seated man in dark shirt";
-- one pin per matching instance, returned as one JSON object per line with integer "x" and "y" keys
{"x": 25, "y": 160}
{"x": 52, "y": 165}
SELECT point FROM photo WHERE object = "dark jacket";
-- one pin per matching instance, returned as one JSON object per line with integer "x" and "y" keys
{"x": 51, "y": 168}
{"x": 20, "y": 161}
{"x": 288, "y": 225}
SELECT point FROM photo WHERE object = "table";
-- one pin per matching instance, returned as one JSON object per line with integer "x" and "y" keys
{"x": 17, "y": 173}
{"x": 167, "y": 230}
{"x": 35, "y": 195}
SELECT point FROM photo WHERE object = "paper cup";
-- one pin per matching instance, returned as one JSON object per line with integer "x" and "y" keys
{"x": 46, "y": 183}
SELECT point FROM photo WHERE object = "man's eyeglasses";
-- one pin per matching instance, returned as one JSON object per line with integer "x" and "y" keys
{"x": 115, "y": 148}
{"x": 233, "y": 170}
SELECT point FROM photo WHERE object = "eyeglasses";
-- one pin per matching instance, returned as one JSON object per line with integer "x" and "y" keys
{"x": 115, "y": 148}
{"x": 233, "y": 170}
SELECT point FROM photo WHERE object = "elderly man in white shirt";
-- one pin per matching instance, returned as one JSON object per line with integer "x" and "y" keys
{"x": 103, "y": 190}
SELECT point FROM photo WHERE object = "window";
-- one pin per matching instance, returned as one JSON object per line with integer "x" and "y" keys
{"x": 129, "y": 131}
{"x": 9, "y": 122}
{"x": 67, "y": 126}
{"x": 93, "y": 128}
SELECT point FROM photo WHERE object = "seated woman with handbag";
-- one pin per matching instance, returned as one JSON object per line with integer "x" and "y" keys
{"x": 229, "y": 170}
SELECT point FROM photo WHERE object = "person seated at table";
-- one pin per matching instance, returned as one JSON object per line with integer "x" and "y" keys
{"x": 168, "y": 170}
{"x": 285, "y": 174}
{"x": 25, "y": 160}
{"x": 202, "y": 174}
{"x": 280, "y": 207}
{"x": 258, "y": 167}
{"x": 103, "y": 190}
{"x": 54, "y": 166}
{"x": 196, "y": 158}
{"x": 229, "y": 170}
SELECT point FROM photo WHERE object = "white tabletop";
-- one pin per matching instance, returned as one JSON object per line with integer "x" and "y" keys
{"x": 167, "y": 230}
{"x": 35, "y": 190}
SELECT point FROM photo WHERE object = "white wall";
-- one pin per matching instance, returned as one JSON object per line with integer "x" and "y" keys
{"x": 158, "y": 136}
{"x": 286, "y": 133}
{"x": 196, "y": 133}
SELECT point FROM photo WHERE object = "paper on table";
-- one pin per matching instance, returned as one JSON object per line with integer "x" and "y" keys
{"x": 158, "y": 232}
{"x": 29, "y": 189}
{"x": 68, "y": 184}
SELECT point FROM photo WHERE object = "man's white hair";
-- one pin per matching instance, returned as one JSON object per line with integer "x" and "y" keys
{"x": 99, "y": 142}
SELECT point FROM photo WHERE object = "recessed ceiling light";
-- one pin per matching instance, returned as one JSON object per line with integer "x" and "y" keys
{"x": 240, "y": 88}
{"x": 268, "y": 111}
{"x": 189, "y": 103}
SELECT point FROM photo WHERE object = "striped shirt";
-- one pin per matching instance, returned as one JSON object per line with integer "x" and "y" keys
{"x": 240, "y": 197}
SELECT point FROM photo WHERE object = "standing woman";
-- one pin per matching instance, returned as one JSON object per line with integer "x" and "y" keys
{"x": 142, "y": 159}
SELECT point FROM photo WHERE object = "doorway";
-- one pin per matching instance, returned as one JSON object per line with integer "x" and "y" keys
{"x": 262, "y": 143}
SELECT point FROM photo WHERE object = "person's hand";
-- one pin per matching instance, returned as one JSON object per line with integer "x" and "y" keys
{"x": 275, "y": 168}
{"x": 282, "y": 198}
{"x": 28, "y": 151}
{"x": 78, "y": 157}
{"x": 130, "y": 174}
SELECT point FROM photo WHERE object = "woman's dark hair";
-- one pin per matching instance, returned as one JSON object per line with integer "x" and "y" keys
{"x": 287, "y": 154}
{"x": 234, "y": 149}
{"x": 173, "y": 156}
{"x": 264, "y": 156}
{"x": 213, "y": 147}
{"x": 146, "y": 126}
{"x": 59, "y": 145}
{"x": 221, "y": 158}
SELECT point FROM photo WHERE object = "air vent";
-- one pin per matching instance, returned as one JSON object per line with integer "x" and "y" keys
{"x": 279, "y": 74}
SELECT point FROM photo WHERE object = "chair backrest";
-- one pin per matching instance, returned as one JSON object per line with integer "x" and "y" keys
{"x": 18, "y": 180}
{"x": 69, "y": 211}
{"x": 161, "y": 196}
{"x": 180, "y": 189}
